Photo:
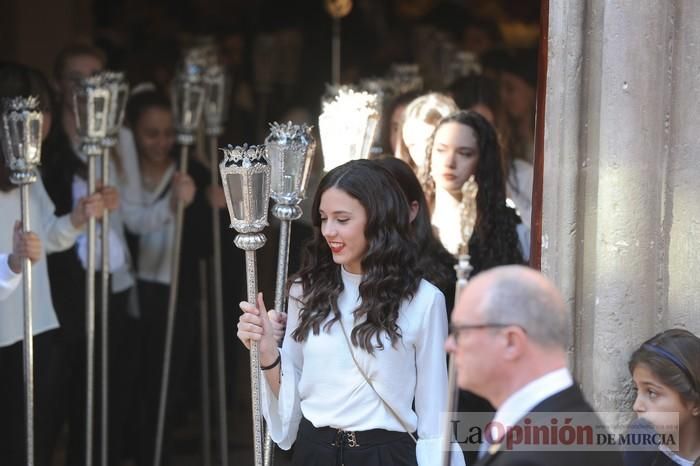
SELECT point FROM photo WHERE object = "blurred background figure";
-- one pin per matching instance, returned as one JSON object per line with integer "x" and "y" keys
{"x": 420, "y": 118}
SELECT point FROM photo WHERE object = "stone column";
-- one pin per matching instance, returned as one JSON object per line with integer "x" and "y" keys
{"x": 620, "y": 215}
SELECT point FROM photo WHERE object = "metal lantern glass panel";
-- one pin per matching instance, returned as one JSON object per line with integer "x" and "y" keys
{"x": 91, "y": 99}
{"x": 290, "y": 149}
{"x": 188, "y": 95}
{"x": 215, "y": 105}
{"x": 245, "y": 175}
{"x": 347, "y": 127}
{"x": 21, "y": 137}
{"x": 119, "y": 93}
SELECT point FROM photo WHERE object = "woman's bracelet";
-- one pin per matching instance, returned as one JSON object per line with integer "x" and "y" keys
{"x": 274, "y": 364}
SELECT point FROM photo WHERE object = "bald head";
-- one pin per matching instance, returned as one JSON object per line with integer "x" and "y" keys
{"x": 520, "y": 296}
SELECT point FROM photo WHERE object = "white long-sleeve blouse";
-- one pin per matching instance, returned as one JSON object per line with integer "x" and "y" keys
{"x": 321, "y": 382}
{"x": 56, "y": 234}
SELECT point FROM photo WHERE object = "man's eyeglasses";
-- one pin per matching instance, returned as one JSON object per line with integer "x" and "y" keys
{"x": 456, "y": 330}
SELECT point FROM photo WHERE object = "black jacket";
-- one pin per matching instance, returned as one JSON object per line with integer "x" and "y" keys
{"x": 570, "y": 400}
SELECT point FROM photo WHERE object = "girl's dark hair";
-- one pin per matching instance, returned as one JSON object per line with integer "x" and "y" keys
{"x": 402, "y": 100}
{"x": 672, "y": 356}
{"x": 389, "y": 268}
{"x": 142, "y": 101}
{"x": 21, "y": 81}
{"x": 435, "y": 263}
{"x": 495, "y": 238}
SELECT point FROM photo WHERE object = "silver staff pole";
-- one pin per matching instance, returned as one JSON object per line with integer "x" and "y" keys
{"x": 290, "y": 149}
{"x": 337, "y": 9}
{"x": 21, "y": 142}
{"x": 215, "y": 112}
{"x": 467, "y": 215}
{"x": 463, "y": 269}
{"x": 245, "y": 175}
{"x": 91, "y": 101}
{"x": 118, "y": 94}
{"x": 204, "y": 363}
{"x": 187, "y": 100}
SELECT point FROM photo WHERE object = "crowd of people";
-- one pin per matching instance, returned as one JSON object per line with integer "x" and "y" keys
{"x": 360, "y": 376}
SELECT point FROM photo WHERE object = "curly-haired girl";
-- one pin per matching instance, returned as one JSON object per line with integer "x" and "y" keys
{"x": 362, "y": 364}
{"x": 464, "y": 144}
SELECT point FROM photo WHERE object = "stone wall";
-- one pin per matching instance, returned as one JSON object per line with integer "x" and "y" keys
{"x": 621, "y": 213}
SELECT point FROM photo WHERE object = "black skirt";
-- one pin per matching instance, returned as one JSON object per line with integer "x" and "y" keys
{"x": 325, "y": 446}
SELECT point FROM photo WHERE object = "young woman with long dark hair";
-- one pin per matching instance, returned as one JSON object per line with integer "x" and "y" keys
{"x": 361, "y": 365}
{"x": 464, "y": 144}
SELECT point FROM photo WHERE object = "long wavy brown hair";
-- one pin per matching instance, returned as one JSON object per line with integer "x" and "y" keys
{"x": 495, "y": 238}
{"x": 389, "y": 272}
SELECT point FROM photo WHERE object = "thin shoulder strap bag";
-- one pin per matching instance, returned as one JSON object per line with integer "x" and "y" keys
{"x": 369, "y": 382}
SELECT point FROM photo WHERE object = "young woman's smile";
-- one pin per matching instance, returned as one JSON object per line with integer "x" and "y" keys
{"x": 343, "y": 221}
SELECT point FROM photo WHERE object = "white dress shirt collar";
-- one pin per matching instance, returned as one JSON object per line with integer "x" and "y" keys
{"x": 522, "y": 401}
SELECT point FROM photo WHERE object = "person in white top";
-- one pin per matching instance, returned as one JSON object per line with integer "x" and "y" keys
{"x": 358, "y": 311}
{"x": 509, "y": 337}
{"x": 419, "y": 120}
{"x": 158, "y": 178}
{"x": 55, "y": 234}
{"x": 25, "y": 245}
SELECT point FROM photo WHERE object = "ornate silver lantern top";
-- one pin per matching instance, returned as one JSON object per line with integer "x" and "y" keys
{"x": 245, "y": 176}
{"x": 347, "y": 127}
{"x": 188, "y": 94}
{"x": 290, "y": 149}
{"x": 21, "y": 137}
{"x": 217, "y": 93}
{"x": 115, "y": 81}
{"x": 91, "y": 101}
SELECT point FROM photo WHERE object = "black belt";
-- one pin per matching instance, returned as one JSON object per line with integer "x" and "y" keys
{"x": 349, "y": 439}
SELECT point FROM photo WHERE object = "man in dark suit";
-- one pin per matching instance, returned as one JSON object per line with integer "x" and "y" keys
{"x": 509, "y": 336}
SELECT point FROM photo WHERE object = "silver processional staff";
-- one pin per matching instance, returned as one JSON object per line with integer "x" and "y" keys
{"x": 245, "y": 175}
{"x": 187, "y": 102}
{"x": 21, "y": 143}
{"x": 118, "y": 94}
{"x": 290, "y": 149}
{"x": 91, "y": 100}
{"x": 217, "y": 84}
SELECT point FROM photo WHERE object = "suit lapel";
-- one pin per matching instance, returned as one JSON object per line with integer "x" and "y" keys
{"x": 570, "y": 399}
